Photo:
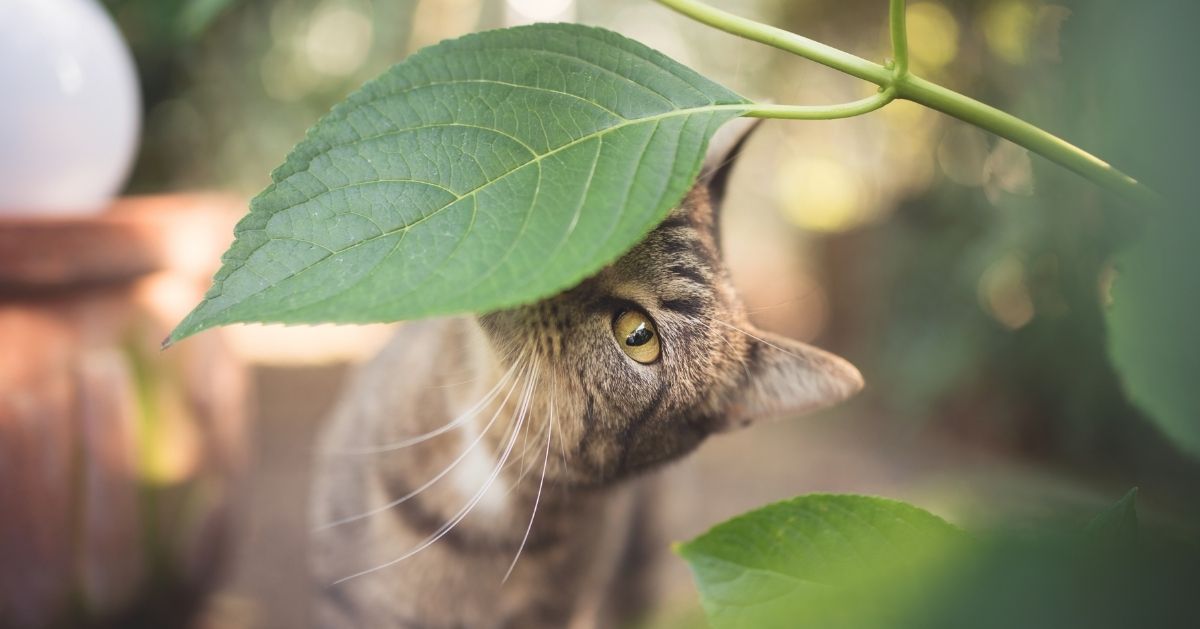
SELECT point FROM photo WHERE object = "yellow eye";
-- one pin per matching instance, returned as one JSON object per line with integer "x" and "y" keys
{"x": 637, "y": 337}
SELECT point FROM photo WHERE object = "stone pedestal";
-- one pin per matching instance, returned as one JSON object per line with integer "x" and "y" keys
{"x": 119, "y": 463}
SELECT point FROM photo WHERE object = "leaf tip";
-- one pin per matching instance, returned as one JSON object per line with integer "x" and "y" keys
{"x": 176, "y": 335}
{"x": 185, "y": 328}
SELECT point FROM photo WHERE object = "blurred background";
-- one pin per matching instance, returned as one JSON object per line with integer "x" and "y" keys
{"x": 967, "y": 279}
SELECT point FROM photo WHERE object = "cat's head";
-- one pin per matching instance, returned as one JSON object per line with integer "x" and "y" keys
{"x": 638, "y": 364}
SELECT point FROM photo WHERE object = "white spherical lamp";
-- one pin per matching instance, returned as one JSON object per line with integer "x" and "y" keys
{"x": 70, "y": 114}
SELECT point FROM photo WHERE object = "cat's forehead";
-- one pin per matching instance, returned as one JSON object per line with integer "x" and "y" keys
{"x": 676, "y": 268}
{"x": 687, "y": 237}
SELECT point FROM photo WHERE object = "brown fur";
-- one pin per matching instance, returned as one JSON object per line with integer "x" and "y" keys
{"x": 595, "y": 420}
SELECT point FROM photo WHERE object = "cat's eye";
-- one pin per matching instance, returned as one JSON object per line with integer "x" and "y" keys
{"x": 635, "y": 333}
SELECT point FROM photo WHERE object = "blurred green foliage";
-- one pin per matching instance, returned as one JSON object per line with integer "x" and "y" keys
{"x": 982, "y": 312}
{"x": 230, "y": 86}
{"x": 854, "y": 562}
{"x": 1149, "y": 113}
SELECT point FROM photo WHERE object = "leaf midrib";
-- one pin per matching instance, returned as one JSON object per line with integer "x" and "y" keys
{"x": 536, "y": 159}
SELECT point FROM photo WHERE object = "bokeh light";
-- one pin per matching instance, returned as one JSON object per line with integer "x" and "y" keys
{"x": 338, "y": 38}
{"x": 821, "y": 194}
{"x": 1004, "y": 294}
{"x": 961, "y": 154}
{"x": 1007, "y": 27}
{"x": 527, "y": 11}
{"x": 1007, "y": 169}
{"x": 932, "y": 35}
{"x": 435, "y": 20}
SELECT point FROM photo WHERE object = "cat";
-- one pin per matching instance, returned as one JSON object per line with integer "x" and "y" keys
{"x": 488, "y": 472}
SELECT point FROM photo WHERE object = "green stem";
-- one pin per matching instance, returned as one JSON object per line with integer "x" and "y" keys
{"x": 823, "y": 112}
{"x": 896, "y": 18}
{"x": 1024, "y": 134}
{"x": 783, "y": 40}
{"x": 899, "y": 82}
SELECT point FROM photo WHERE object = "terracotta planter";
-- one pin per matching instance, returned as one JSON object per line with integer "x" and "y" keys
{"x": 118, "y": 462}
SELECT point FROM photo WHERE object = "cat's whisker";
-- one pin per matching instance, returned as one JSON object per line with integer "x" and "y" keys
{"x": 537, "y": 499}
{"x": 503, "y": 357}
{"x": 453, "y": 424}
{"x": 753, "y": 336}
{"x": 455, "y": 384}
{"x": 462, "y": 513}
{"x": 521, "y": 464}
{"x": 524, "y": 451}
{"x": 429, "y": 483}
{"x": 760, "y": 339}
{"x": 808, "y": 294}
{"x": 525, "y": 469}
{"x": 707, "y": 176}
{"x": 729, "y": 344}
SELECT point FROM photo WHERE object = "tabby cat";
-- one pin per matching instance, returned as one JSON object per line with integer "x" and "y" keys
{"x": 539, "y": 423}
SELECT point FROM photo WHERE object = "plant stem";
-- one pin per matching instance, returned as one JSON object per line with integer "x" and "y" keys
{"x": 896, "y": 19}
{"x": 1028, "y": 136}
{"x": 823, "y": 112}
{"x": 897, "y": 82}
{"x": 783, "y": 40}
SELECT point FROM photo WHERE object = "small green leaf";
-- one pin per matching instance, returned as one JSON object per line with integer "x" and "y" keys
{"x": 1117, "y": 525}
{"x": 791, "y": 564}
{"x": 480, "y": 173}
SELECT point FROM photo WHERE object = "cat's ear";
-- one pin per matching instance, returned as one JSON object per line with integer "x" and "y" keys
{"x": 723, "y": 150}
{"x": 786, "y": 377}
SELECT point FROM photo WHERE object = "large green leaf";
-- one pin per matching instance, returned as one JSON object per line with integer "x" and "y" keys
{"x": 480, "y": 173}
{"x": 1155, "y": 334}
{"x": 794, "y": 563}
